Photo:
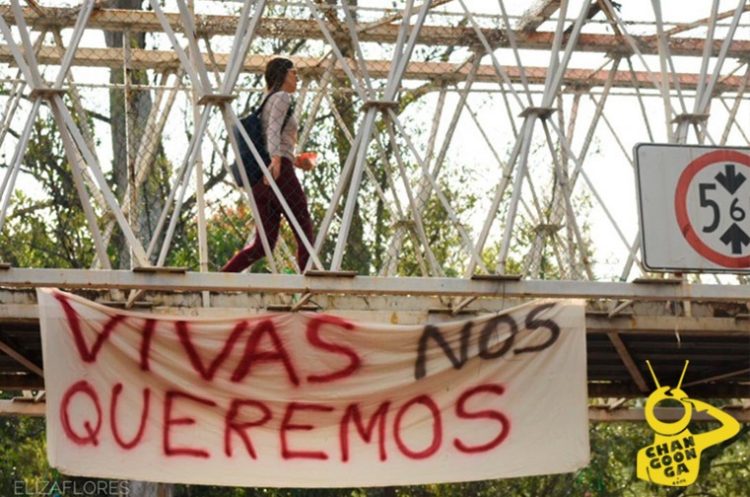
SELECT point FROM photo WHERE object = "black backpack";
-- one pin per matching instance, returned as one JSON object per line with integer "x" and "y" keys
{"x": 254, "y": 129}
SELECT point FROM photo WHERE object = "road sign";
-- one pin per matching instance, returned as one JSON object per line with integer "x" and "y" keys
{"x": 694, "y": 205}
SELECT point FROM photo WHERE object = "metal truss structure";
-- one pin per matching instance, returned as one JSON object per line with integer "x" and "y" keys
{"x": 532, "y": 111}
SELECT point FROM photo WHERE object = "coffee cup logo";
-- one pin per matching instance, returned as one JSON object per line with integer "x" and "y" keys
{"x": 674, "y": 457}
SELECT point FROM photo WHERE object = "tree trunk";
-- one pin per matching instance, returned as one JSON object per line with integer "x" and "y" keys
{"x": 129, "y": 110}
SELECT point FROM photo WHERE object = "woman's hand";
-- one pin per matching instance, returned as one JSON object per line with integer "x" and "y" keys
{"x": 306, "y": 161}
{"x": 274, "y": 168}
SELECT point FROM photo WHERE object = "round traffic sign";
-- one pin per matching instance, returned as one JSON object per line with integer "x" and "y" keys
{"x": 712, "y": 205}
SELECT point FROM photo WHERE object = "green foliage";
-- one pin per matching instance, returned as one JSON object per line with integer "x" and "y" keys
{"x": 48, "y": 230}
{"x": 443, "y": 236}
{"x": 226, "y": 232}
{"x": 23, "y": 454}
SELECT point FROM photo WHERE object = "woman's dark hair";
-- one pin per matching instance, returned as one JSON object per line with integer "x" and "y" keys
{"x": 276, "y": 71}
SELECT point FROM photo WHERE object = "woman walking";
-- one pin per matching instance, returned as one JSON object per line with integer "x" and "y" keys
{"x": 280, "y": 134}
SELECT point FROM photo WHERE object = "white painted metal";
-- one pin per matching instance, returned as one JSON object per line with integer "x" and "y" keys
{"x": 368, "y": 285}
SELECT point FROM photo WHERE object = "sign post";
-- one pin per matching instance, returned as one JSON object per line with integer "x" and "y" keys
{"x": 694, "y": 205}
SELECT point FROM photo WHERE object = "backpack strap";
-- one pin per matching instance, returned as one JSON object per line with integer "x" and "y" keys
{"x": 289, "y": 113}
{"x": 259, "y": 108}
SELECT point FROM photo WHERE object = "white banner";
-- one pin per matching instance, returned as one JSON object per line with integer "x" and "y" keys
{"x": 313, "y": 400}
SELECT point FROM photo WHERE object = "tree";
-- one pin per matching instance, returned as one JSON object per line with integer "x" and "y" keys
{"x": 129, "y": 110}
{"x": 47, "y": 230}
{"x": 24, "y": 462}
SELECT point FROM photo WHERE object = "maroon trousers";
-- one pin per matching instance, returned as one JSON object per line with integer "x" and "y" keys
{"x": 270, "y": 215}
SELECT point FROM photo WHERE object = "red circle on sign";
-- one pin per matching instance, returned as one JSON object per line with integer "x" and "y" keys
{"x": 680, "y": 206}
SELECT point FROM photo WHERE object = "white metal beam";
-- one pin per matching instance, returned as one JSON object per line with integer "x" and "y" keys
{"x": 361, "y": 285}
